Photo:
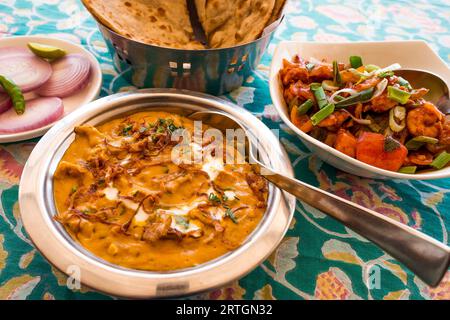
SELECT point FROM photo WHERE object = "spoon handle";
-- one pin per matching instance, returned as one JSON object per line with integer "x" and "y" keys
{"x": 426, "y": 257}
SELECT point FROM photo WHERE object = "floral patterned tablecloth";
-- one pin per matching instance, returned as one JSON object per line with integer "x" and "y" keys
{"x": 318, "y": 258}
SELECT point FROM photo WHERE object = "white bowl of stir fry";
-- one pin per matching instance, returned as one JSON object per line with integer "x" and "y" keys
{"x": 346, "y": 103}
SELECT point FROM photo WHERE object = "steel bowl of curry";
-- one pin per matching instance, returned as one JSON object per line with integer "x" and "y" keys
{"x": 110, "y": 193}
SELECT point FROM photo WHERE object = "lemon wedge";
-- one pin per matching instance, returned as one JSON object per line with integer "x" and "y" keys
{"x": 46, "y": 51}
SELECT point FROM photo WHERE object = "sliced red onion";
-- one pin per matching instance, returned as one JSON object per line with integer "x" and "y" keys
{"x": 360, "y": 121}
{"x": 70, "y": 74}
{"x": 346, "y": 90}
{"x": 39, "y": 112}
{"x": 26, "y": 71}
{"x": 5, "y": 102}
{"x": 8, "y": 52}
{"x": 329, "y": 85}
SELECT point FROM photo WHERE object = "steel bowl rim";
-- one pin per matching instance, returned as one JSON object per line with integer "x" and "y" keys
{"x": 207, "y": 267}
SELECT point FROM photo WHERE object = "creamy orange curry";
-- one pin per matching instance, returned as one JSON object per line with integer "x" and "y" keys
{"x": 119, "y": 193}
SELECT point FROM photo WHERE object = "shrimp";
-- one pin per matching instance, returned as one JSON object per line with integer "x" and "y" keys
{"x": 293, "y": 72}
{"x": 334, "y": 121}
{"x": 382, "y": 103}
{"x": 425, "y": 120}
{"x": 298, "y": 90}
{"x": 420, "y": 158}
{"x": 322, "y": 72}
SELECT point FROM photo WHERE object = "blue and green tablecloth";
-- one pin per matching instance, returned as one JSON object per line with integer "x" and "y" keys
{"x": 318, "y": 258}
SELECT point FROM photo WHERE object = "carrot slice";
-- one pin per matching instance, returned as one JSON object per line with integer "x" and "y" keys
{"x": 346, "y": 143}
{"x": 370, "y": 149}
{"x": 301, "y": 121}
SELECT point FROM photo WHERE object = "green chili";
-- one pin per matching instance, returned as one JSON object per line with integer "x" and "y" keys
{"x": 14, "y": 93}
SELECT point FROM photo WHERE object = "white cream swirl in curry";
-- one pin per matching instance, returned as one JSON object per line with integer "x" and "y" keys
{"x": 120, "y": 195}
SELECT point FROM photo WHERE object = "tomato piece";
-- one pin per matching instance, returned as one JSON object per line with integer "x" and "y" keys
{"x": 345, "y": 143}
{"x": 301, "y": 121}
{"x": 370, "y": 149}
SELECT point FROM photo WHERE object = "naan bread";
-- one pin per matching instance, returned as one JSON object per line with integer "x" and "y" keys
{"x": 233, "y": 22}
{"x": 158, "y": 22}
{"x": 279, "y": 5}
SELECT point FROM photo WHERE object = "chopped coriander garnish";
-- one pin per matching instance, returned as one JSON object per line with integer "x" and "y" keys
{"x": 183, "y": 221}
{"x": 230, "y": 214}
{"x": 214, "y": 198}
{"x": 126, "y": 130}
{"x": 74, "y": 189}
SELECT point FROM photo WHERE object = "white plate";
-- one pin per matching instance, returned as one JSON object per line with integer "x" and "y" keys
{"x": 89, "y": 93}
{"x": 410, "y": 54}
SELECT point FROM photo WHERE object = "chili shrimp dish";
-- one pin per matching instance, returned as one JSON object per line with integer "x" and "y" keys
{"x": 122, "y": 194}
{"x": 366, "y": 112}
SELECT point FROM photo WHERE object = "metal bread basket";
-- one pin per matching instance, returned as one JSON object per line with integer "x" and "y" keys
{"x": 214, "y": 71}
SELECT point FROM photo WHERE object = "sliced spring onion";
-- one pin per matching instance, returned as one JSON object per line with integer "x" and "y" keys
{"x": 358, "y": 73}
{"x": 322, "y": 114}
{"x": 404, "y": 83}
{"x": 362, "y": 96}
{"x": 417, "y": 142}
{"x": 380, "y": 87}
{"x": 320, "y": 96}
{"x": 304, "y": 108}
{"x": 315, "y": 85}
{"x": 371, "y": 67}
{"x": 399, "y": 113}
{"x": 386, "y": 74}
{"x": 441, "y": 160}
{"x": 336, "y": 75}
{"x": 392, "y": 67}
{"x": 393, "y": 124}
{"x": 329, "y": 85}
{"x": 408, "y": 169}
{"x": 398, "y": 95}
{"x": 375, "y": 127}
{"x": 356, "y": 61}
